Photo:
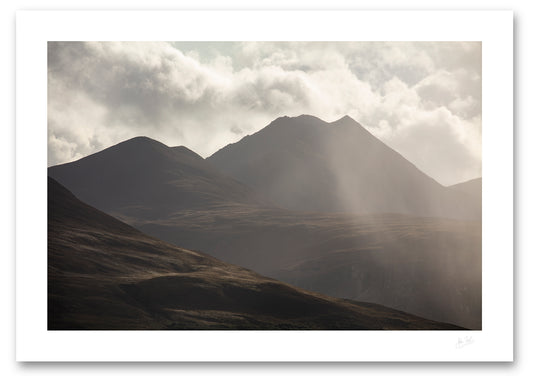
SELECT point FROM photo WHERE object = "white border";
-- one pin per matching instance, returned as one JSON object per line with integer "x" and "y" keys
{"x": 493, "y": 343}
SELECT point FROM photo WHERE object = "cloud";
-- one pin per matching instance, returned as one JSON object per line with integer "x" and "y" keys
{"x": 205, "y": 95}
{"x": 440, "y": 141}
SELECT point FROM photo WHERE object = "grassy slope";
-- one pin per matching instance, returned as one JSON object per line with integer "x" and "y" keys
{"x": 104, "y": 274}
{"x": 427, "y": 266}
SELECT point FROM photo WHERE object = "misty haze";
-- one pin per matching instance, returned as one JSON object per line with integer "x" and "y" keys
{"x": 258, "y": 185}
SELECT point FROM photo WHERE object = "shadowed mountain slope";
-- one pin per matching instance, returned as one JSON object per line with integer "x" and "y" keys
{"x": 104, "y": 274}
{"x": 144, "y": 178}
{"x": 473, "y": 188}
{"x": 306, "y": 164}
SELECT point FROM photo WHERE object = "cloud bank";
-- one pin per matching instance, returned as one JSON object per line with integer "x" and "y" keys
{"x": 423, "y": 99}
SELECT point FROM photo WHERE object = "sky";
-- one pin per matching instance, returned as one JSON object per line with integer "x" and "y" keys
{"x": 423, "y": 99}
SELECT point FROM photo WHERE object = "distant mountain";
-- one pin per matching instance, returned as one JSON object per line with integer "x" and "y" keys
{"x": 306, "y": 164}
{"x": 104, "y": 274}
{"x": 142, "y": 177}
{"x": 470, "y": 187}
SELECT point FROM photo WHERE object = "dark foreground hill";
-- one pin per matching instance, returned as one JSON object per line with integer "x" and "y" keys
{"x": 306, "y": 164}
{"x": 104, "y": 274}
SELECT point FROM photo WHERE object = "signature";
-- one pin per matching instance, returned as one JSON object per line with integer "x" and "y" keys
{"x": 462, "y": 342}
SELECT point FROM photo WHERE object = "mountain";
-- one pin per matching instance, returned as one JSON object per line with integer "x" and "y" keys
{"x": 144, "y": 178}
{"x": 470, "y": 187}
{"x": 430, "y": 267}
{"x": 306, "y": 164}
{"x": 104, "y": 274}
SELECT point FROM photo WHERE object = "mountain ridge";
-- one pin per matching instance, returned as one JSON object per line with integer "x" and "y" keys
{"x": 142, "y": 170}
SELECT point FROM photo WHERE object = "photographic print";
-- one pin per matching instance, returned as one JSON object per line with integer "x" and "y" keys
{"x": 264, "y": 185}
{"x": 338, "y": 187}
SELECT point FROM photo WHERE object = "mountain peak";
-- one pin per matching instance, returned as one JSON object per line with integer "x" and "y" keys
{"x": 303, "y": 118}
{"x": 313, "y": 120}
{"x": 346, "y": 120}
{"x": 141, "y": 175}
{"x": 142, "y": 140}
{"x": 306, "y": 117}
{"x": 304, "y": 163}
